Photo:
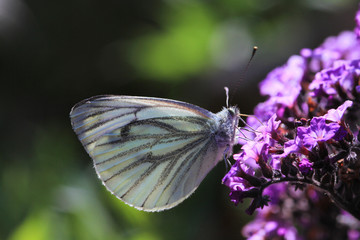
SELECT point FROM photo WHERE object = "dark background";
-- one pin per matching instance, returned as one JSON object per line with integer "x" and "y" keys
{"x": 55, "y": 53}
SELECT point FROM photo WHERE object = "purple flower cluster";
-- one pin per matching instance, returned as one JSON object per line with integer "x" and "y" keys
{"x": 357, "y": 20}
{"x": 306, "y": 135}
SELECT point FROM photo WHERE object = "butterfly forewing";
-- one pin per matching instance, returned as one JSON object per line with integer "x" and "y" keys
{"x": 152, "y": 153}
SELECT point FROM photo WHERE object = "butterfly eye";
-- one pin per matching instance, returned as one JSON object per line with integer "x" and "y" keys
{"x": 233, "y": 111}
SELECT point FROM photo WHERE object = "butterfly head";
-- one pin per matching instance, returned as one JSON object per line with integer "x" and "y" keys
{"x": 228, "y": 120}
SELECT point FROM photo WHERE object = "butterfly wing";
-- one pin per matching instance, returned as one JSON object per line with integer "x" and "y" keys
{"x": 151, "y": 153}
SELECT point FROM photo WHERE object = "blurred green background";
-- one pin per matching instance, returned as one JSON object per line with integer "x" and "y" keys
{"x": 56, "y": 53}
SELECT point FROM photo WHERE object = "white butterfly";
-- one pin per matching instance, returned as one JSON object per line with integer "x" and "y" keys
{"x": 152, "y": 153}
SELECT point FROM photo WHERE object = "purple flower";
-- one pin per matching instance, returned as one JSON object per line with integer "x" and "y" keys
{"x": 357, "y": 21}
{"x": 305, "y": 166}
{"x": 276, "y": 192}
{"x": 308, "y": 135}
{"x": 263, "y": 111}
{"x": 238, "y": 196}
{"x": 318, "y": 131}
{"x": 353, "y": 234}
{"x": 236, "y": 179}
{"x": 348, "y": 220}
{"x": 283, "y": 83}
{"x": 350, "y": 77}
{"x": 306, "y": 52}
{"x": 292, "y": 146}
{"x": 335, "y": 115}
{"x": 269, "y": 229}
{"x": 358, "y": 89}
{"x": 344, "y": 46}
{"x": 267, "y": 133}
{"x": 254, "y": 152}
{"x": 324, "y": 83}
{"x": 289, "y": 147}
{"x": 344, "y": 73}
{"x": 233, "y": 180}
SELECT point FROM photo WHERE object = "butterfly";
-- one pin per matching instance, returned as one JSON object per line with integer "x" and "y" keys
{"x": 152, "y": 153}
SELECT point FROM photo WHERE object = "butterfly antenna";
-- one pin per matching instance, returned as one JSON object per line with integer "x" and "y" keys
{"x": 227, "y": 96}
{"x": 245, "y": 71}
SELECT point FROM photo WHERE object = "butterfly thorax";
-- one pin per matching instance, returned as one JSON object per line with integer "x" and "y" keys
{"x": 227, "y": 120}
